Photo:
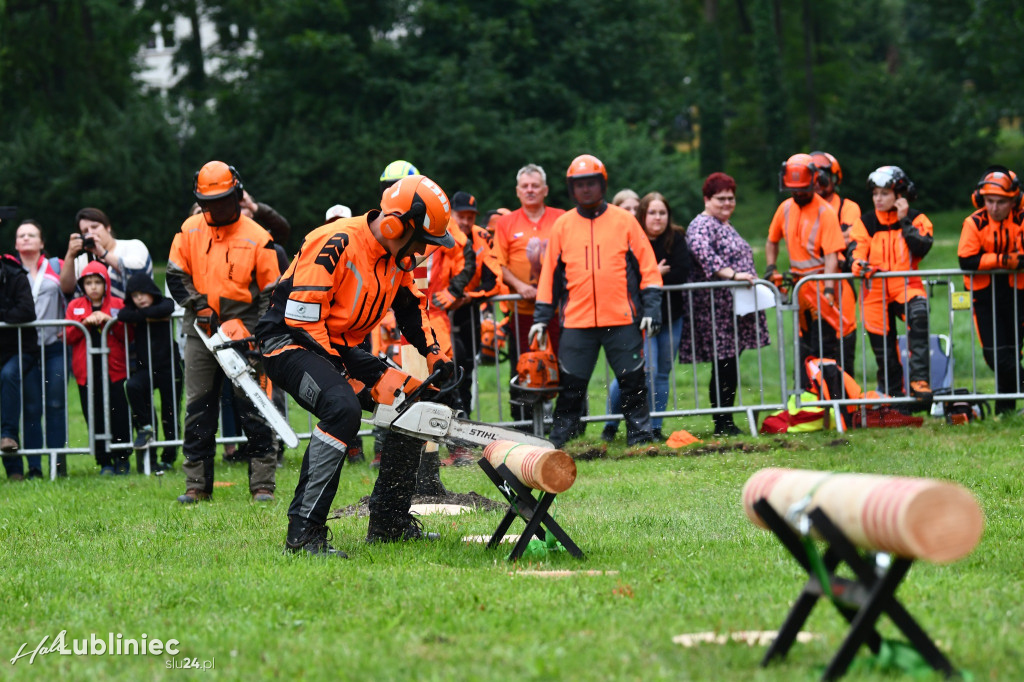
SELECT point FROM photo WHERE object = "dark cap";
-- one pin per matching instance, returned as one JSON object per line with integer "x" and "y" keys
{"x": 464, "y": 201}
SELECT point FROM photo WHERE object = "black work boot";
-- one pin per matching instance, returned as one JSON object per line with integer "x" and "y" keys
{"x": 404, "y": 528}
{"x": 306, "y": 536}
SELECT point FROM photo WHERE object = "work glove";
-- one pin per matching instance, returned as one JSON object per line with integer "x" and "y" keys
{"x": 773, "y": 275}
{"x": 864, "y": 269}
{"x": 438, "y": 361}
{"x": 1010, "y": 261}
{"x": 538, "y": 333}
{"x": 443, "y": 299}
{"x": 829, "y": 294}
{"x": 392, "y": 384}
{"x": 648, "y": 325}
{"x": 207, "y": 320}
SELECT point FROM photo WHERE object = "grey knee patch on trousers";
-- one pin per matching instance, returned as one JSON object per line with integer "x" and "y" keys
{"x": 309, "y": 390}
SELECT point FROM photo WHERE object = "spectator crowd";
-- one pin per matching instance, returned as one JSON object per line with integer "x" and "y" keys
{"x": 587, "y": 280}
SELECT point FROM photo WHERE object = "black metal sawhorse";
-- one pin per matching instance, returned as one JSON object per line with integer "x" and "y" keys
{"x": 859, "y": 601}
{"x": 522, "y": 504}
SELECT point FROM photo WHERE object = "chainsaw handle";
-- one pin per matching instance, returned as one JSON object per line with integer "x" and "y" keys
{"x": 417, "y": 392}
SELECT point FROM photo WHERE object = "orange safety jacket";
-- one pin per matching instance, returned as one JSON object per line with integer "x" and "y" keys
{"x": 601, "y": 270}
{"x": 983, "y": 242}
{"x": 230, "y": 269}
{"x": 849, "y": 213}
{"x": 891, "y": 245}
{"x": 338, "y": 289}
{"x": 812, "y": 232}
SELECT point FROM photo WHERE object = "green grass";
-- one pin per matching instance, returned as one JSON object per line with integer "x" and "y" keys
{"x": 88, "y": 555}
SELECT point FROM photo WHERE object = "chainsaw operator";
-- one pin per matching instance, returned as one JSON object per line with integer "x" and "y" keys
{"x": 222, "y": 267}
{"x": 335, "y": 292}
{"x": 600, "y": 269}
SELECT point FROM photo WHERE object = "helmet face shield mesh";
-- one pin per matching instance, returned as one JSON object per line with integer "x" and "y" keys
{"x": 222, "y": 211}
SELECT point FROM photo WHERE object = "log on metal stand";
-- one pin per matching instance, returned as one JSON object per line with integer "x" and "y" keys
{"x": 860, "y": 601}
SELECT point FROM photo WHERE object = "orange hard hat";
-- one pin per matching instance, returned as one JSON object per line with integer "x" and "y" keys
{"x": 798, "y": 174}
{"x": 216, "y": 180}
{"x": 826, "y": 162}
{"x": 585, "y": 166}
{"x": 417, "y": 202}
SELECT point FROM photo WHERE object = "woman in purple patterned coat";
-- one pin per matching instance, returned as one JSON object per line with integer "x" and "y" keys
{"x": 720, "y": 254}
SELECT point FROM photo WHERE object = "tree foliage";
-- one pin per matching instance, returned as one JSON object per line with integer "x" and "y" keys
{"x": 310, "y": 99}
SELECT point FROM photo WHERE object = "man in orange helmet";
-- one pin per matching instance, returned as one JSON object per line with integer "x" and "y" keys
{"x": 830, "y": 176}
{"x": 520, "y": 240}
{"x": 992, "y": 238}
{"x": 828, "y": 311}
{"x": 600, "y": 267}
{"x": 335, "y": 292}
{"x": 221, "y": 267}
{"x": 891, "y": 238}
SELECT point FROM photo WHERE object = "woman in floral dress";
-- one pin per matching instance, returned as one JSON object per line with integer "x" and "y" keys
{"x": 715, "y": 335}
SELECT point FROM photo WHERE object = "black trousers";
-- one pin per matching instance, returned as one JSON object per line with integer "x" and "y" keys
{"x": 999, "y": 321}
{"x": 140, "y": 388}
{"x": 318, "y": 386}
{"x": 120, "y": 430}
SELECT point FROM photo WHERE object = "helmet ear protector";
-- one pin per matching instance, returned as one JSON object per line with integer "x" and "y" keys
{"x": 799, "y": 173}
{"x": 1004, "y": 179}
{"x": 394, "y": 226}
{"x": 829, "y": 171}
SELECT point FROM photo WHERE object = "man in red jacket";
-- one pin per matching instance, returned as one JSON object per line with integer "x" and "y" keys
{"x": 601, "y": 270}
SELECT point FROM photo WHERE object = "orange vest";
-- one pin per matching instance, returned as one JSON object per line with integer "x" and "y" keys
{"x": 231, "y": 266}
{"x": 600, "y": 264}
{"x": 983, "y": 241}
{"x": 811, "y": 232}
{"x": 339, "y": 286}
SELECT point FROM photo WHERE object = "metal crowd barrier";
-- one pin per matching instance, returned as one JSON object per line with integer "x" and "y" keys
{"x": 768, "y": 376}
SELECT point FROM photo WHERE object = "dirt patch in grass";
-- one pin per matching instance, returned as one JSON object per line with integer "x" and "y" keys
{"x": 470, "y": 499}
{"x": 592, "y": 452}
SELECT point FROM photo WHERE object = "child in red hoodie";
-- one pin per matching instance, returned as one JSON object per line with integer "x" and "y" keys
{"x": 93, "y": 311}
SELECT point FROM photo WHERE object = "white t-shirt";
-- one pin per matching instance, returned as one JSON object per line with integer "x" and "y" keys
{"x": 132, "y": 257}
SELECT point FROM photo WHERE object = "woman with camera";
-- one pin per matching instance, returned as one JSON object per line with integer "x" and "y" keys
{"x": 95, "y": 241}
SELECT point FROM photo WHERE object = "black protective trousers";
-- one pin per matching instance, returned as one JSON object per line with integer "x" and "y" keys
{"x": 577, "y": 356}
{"x": 887, "y": 352}
{"x": 319, "y": 387}
{"x": 999, "y": 322}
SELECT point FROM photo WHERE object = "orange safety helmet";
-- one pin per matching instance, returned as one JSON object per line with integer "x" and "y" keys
{"x": 997, "y": 180}
{"x": 416, "y": 203}
{"x": 218, "y": 191}
{"x": 586, "y": 166}
{"x": 798, "y": 174}
{"x": 829, "y": 168}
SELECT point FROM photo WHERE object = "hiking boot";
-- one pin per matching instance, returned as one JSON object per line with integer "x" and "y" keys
{"x": 8, "y": 445}
{"x": 608, "y": 434}
{"x": 412, "y": 529}
{"x": 34, "y": 473}
{"x": 311, "y": 539}
{"x": 262, "y": 495}
{"x": 921, "y": 390}
{"x": 727, "y": 428}
{"x": 107, "y": 471}
{"x": 144, "y": 438}
{"x": 192, "y": 496}
{"x": 122, "y": 467}
{"x": 659, "y": 437}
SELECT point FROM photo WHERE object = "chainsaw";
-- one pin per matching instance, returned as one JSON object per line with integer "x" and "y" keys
{"x": 225, "y": 349}
{"x": 412, "y": 416}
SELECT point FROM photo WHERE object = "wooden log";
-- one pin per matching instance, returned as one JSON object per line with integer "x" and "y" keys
{"x": 540, "y": 468}
{"x": 911, "y": 517}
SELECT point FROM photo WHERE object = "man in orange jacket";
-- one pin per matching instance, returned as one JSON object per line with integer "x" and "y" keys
{"x": 992, "y": 238}
{"x": 601, "y": 270}
{"x": 221, "y": 267}
{"x": 891, "y": 238}
{"x": 814, "y": 241}
{"x": 335, "y": 292}
{"x": 520, "y": 241}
